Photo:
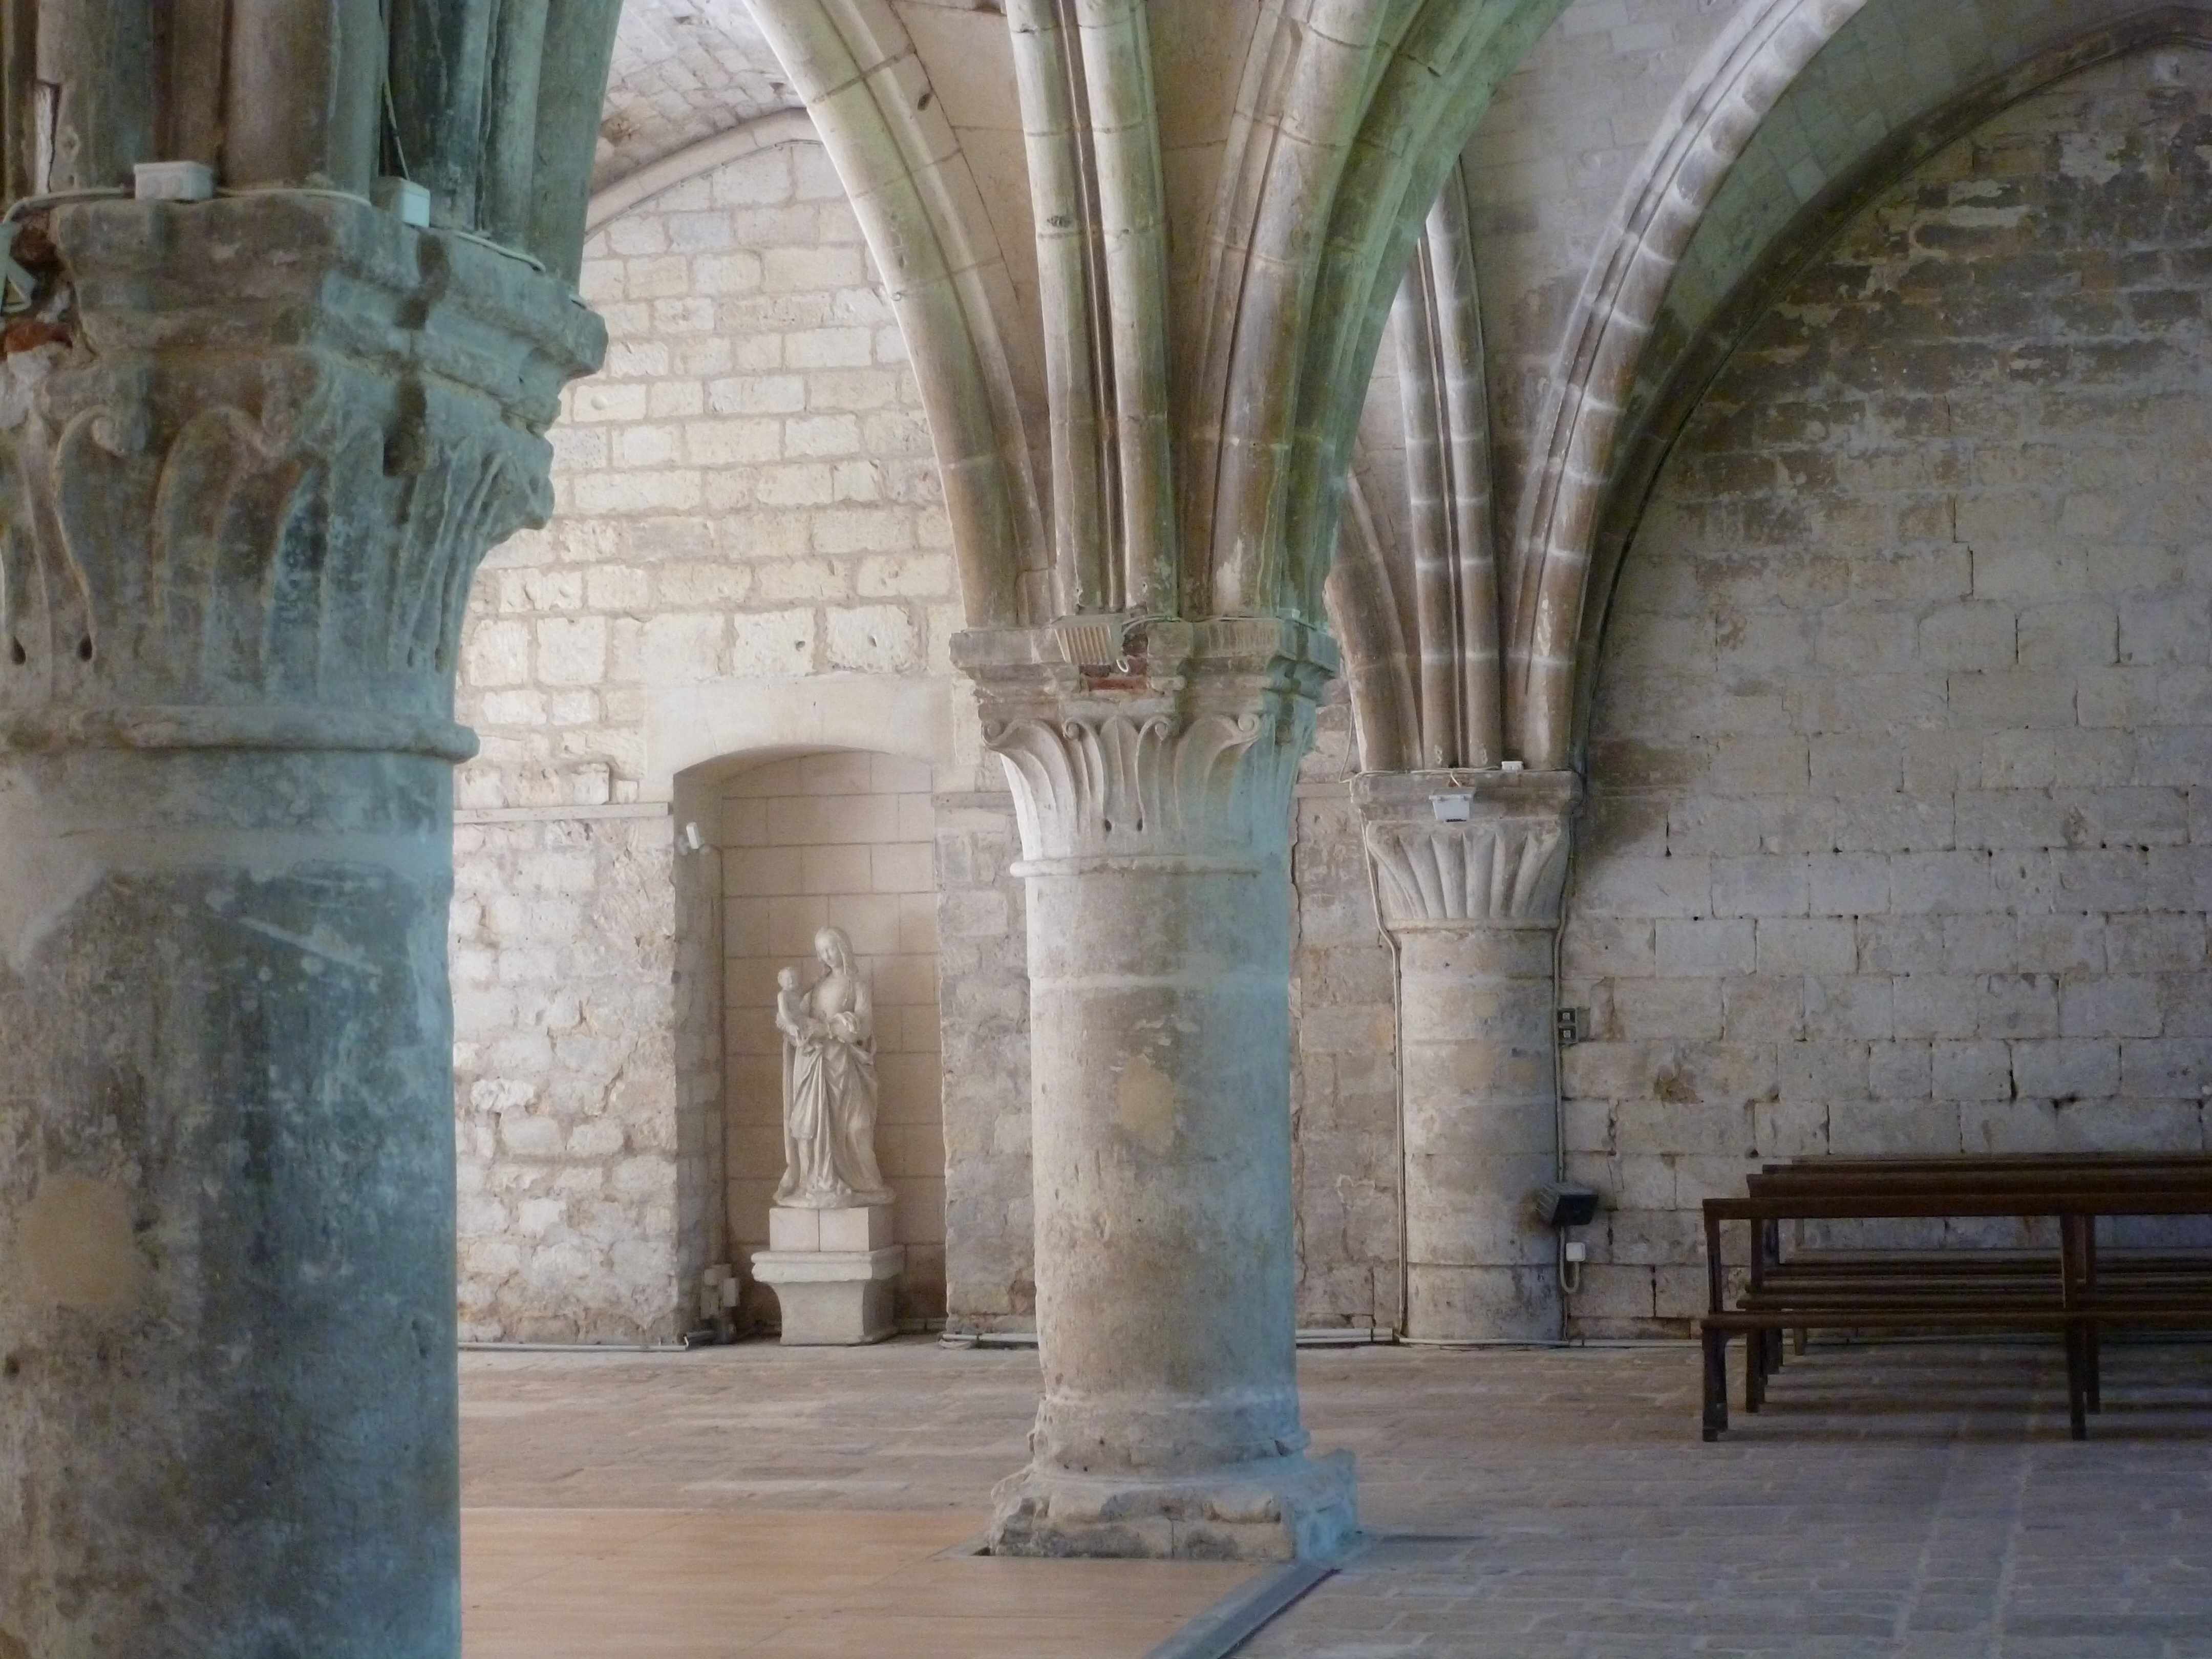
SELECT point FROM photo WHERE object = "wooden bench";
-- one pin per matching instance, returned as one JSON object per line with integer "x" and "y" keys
{"x": 1807, "y": 1272}
{"x": 2071, "y": 1291}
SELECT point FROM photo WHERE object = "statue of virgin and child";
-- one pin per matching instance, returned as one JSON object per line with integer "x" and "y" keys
{"x": 829, "y": 1093}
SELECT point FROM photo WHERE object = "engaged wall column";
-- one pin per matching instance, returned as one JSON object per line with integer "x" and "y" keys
{"x": 1152, "y": 778}
{"x": 249, "y": 471}
{"x": 1473, "y": 906}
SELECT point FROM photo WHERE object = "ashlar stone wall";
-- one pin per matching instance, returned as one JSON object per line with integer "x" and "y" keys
{"x": 1344, "y": 1077}
{"x": 746, "y": 501}
{"x": 1901, "y": 830}
{"x": 585, "y": 1002}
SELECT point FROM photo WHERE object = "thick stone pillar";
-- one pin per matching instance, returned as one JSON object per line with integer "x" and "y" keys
{"x": 252, "y": 460}
{"x": 1151, "y": 780}
{"x": 1473, "y": 907}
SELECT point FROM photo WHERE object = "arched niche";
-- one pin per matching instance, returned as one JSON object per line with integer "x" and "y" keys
{"x": 805, "y": 838}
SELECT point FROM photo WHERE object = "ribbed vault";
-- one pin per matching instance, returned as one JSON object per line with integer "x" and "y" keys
{"x": 1219, "y": 204}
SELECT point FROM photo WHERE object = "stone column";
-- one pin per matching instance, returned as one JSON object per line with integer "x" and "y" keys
{"x": 1473, "y": 909}
{"x": 254, "y": 452}
{"x": 1152, "y": 775}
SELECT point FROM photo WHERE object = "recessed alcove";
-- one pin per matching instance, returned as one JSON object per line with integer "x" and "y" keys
{"x": 845, "y": 839}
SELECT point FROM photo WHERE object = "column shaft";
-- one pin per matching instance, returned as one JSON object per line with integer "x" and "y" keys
{"x": 1472, "y": 906}
{"x": 227, "y": 1317}
{"x": 1159, "y": 1021}
{"x": 1153, "y": 783}
{"x": 1480, "y": 1109}
{"x": 245, "y": 479}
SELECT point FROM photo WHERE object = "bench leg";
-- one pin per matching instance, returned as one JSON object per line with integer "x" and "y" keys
{"x": 2077, "y": 1389}
{"x": 1754, "y": 1370}
{"x": 2095, "y": 1380}
{"x": 1799, "y": 1339}
{"x": 1716, "y": 1418}
{"x": 1770, "y": 1350}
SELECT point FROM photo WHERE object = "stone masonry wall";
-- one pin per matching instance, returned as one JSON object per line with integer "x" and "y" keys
{"x": 1344, "y": 1077}
{"x": 1901, "y": 834}
{"x": 569, "y": 1077}
{"x": 1555, "y": 150}
{"x": 983, "y": 972}
{"x": 746, "y": 493}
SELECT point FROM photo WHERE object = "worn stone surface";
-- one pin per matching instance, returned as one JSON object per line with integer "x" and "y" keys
{"x": 240, "y": 520}
{"x": 1897, "y": 760}
{"x": 1154, "y": 815}
{"x": 1473, "y": 906}
{"x": 1905, "y": 1502}
{"x": 1344, "y": 1114}
{"x": 983, "y": 978}
{"x": 683, "y": 70}
{"x": 572, "y": 1076}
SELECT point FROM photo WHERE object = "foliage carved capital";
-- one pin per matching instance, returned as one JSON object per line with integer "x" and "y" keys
{"x": 1150, "y": 741}
{"x": 1456, "y": 849}
{"x": 250, "y": 459}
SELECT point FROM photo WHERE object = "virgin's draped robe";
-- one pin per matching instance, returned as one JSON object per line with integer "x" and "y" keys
{"x": 829, "y": 1094}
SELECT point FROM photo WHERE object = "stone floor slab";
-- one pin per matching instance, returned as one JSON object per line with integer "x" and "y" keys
{"x": 1893, "y": 1502}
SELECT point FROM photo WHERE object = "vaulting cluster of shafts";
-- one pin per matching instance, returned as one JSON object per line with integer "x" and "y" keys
{"x": 258, "y": 445}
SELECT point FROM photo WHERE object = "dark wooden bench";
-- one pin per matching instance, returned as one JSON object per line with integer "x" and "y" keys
{"x": 1805, "y": 1274}
{"x": 2071, "y": 1291}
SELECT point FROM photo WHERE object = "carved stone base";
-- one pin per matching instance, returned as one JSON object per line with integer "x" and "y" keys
{"x": 834, "y": 1299}
{"x": 1285, "y": 1509}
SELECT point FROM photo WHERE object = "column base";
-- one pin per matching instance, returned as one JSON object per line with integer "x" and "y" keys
{"x": 1287, "y": 1509}
{"x": 1482, "y": 1304}
{"x": 834, "y": 1299}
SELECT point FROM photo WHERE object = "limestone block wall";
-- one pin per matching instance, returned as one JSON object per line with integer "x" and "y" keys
{"x": 1901, "y": 836}
{"x": 844, "y": 840}
{"x": 1343, "y": 1081}
{"x": 746, "y": 492}
{"x": 747, "y": 507}
{"x": 983, "y": 978}
{"x": 584, "y": 1103}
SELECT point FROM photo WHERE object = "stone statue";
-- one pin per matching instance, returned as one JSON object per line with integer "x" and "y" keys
{"x": 828, "y": 1085}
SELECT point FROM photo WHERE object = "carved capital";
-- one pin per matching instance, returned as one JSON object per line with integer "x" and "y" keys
{"x": 1504, "y": 865}
{"x": 249, "y": 462}
{"x": 1150, "y": 741}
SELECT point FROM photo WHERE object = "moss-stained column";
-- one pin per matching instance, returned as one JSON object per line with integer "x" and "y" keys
{"x": 1152, "y": 774}
{"x": 1473, "y": 905}
{"x": 247, "y": 475}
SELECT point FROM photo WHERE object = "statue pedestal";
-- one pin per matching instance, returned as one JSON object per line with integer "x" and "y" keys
{"x": 832, "y": 1271}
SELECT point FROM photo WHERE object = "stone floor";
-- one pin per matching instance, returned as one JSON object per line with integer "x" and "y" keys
{"x": 1907, "y": 1500}
{"x": 803, "y": 1584}
{"x": 776, "y": 1505}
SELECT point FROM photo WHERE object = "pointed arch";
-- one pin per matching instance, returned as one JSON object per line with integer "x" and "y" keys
{"x": 1730, "y": 202}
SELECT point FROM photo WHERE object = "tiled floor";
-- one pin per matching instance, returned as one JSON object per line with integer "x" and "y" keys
{"x": 1914, "y": 1502}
